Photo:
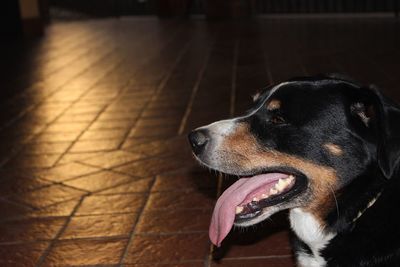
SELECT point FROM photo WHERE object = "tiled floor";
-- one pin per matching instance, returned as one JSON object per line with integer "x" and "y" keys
{"x": 95, "y": 168}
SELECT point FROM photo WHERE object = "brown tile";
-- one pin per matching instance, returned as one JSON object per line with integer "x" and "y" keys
{"x": 45, "y": 148}
{"x": 164, "y": 146}
{"x": 10, "y": 209}
{"x": 156, "y": 122}
{"x": 191, "y": 179}
{"x": 194, "y": 263}
{"x": 268, "y": 239}
{"x": 257, "y": 244}
{"x": 95, "y": 145}
{"x": 19, "y": 182}
{"x": 21, "y": 254}
{"x": 67, "y": 118}
{"x": 134, "y": 141}
{"x": 30, "y": 229}
{"x": 281, "y": 261}
{"x": 100, "y": 226}
{"x": 137, "y": 186}
{"x": 174, "y": 221}
{"x": 33, "y": 161}
{"x": 60, "y": 209}
{"x": 85, "y": 252}
{"x": 48, "y": 195}
{"x": 168, "y": 248}
{"x": 98, "y": 181}
{"x": 108, "y": 204}
{"x": 103, "y": 134}
{"x": 112, "y": 159}
{"x": 151, "y": 167}
{"x": 111, "y": 116}
{"x": 66, "y": 171}
{"x": 181, "y": 200}
{"x": 71, "y": 157}
{"x": 67, "y": 127}
{"x": 117, "y": 124}
{"x": 166, "y": 131}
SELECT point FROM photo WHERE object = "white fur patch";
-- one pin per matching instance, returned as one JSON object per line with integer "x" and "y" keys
{"x": 308, "y": 229}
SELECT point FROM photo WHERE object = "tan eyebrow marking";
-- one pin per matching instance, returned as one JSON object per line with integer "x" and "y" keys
{"x": 333, "y": 149}
{"x": 274, "y": 104}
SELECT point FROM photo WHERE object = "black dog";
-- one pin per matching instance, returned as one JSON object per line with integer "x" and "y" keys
{"x": 327, "y": 149}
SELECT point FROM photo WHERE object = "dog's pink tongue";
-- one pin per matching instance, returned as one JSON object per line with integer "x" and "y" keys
{"x": 225, "y": 208}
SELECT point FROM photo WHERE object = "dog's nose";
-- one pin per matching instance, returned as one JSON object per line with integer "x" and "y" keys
{"x": 198, "y": 140}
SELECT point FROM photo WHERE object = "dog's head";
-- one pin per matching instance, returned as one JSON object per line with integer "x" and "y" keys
{"x": 304, "y": 141}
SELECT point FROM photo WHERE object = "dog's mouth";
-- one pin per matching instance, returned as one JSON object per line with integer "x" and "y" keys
{"x": 254, "y": 198}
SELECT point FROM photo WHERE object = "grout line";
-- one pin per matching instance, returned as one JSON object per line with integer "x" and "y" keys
{"x": 194, "y": 90}
{"x": 60, "y": 232}
{"x": 132, "y": 232}
{"x": 25, "y": 111}
{"x": 21, "y": 146}
{"x": 101, "y": 111}
{"x": 158, "y": 90}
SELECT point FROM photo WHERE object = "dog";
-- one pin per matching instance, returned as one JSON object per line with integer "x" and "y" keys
{"x": 325, "y": 148}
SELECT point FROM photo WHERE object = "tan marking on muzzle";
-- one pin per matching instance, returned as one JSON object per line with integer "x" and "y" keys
{"x": 248, "y": 155}
{"x": 333, "y": 149}
{"x": 274, "y": 104}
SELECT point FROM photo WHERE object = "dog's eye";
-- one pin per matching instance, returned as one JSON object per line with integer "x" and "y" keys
{"x": 276, "y": 119}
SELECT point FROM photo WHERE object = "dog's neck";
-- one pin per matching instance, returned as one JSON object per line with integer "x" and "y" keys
{"x": 353, "y": 201}
{"x": 309, "y": 230}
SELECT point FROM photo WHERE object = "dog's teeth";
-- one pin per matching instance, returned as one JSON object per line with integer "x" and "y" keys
{"x": 280, "y": 185}
{"x": 273, "y": 191}
{"x": 264, "y": 196}
{"x": 255, "y": 199}
{"x": 239, "y": 209}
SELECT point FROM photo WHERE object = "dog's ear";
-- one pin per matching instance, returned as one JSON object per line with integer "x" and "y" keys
{"x": 389, "y": 134}
{"x": 382, "y": 115}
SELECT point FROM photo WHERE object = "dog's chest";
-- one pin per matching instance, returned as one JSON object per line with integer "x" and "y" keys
{"x": 309, "y": 230}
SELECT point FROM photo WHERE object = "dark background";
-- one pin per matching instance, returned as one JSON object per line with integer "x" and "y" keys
{"x": 105, "y": 8}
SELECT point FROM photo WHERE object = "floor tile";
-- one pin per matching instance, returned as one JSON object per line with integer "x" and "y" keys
{"x": 112, "y": 159}
{"x": 19, "y": 182}
{"x": 151, "y": 167}
{"x": 67, "y": 171}
{"x": 108, "y": 204}
{"x": 284, "y": 261}
{"x": 189, "y": 179}
{"x": 9, "y": 209}
{"x": 95, "y": 145}
{"x": 33, "y": 161}
{"x": 30, "y": 229}
{"x": 159, "y": 249}
{"x": 98, "y": 181}
{"x": 85, "y": 252}
{"x": 21, "y": 254}
{"x": 49, "y": 195}
{"x": 141, "y": 185}
{"x": 103, "y": 134}
{"x": 64, "y": 208}
{"x": 174, "y": 221}
{"x": 100, "y": 226}
{"x": 181, "y": 200}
